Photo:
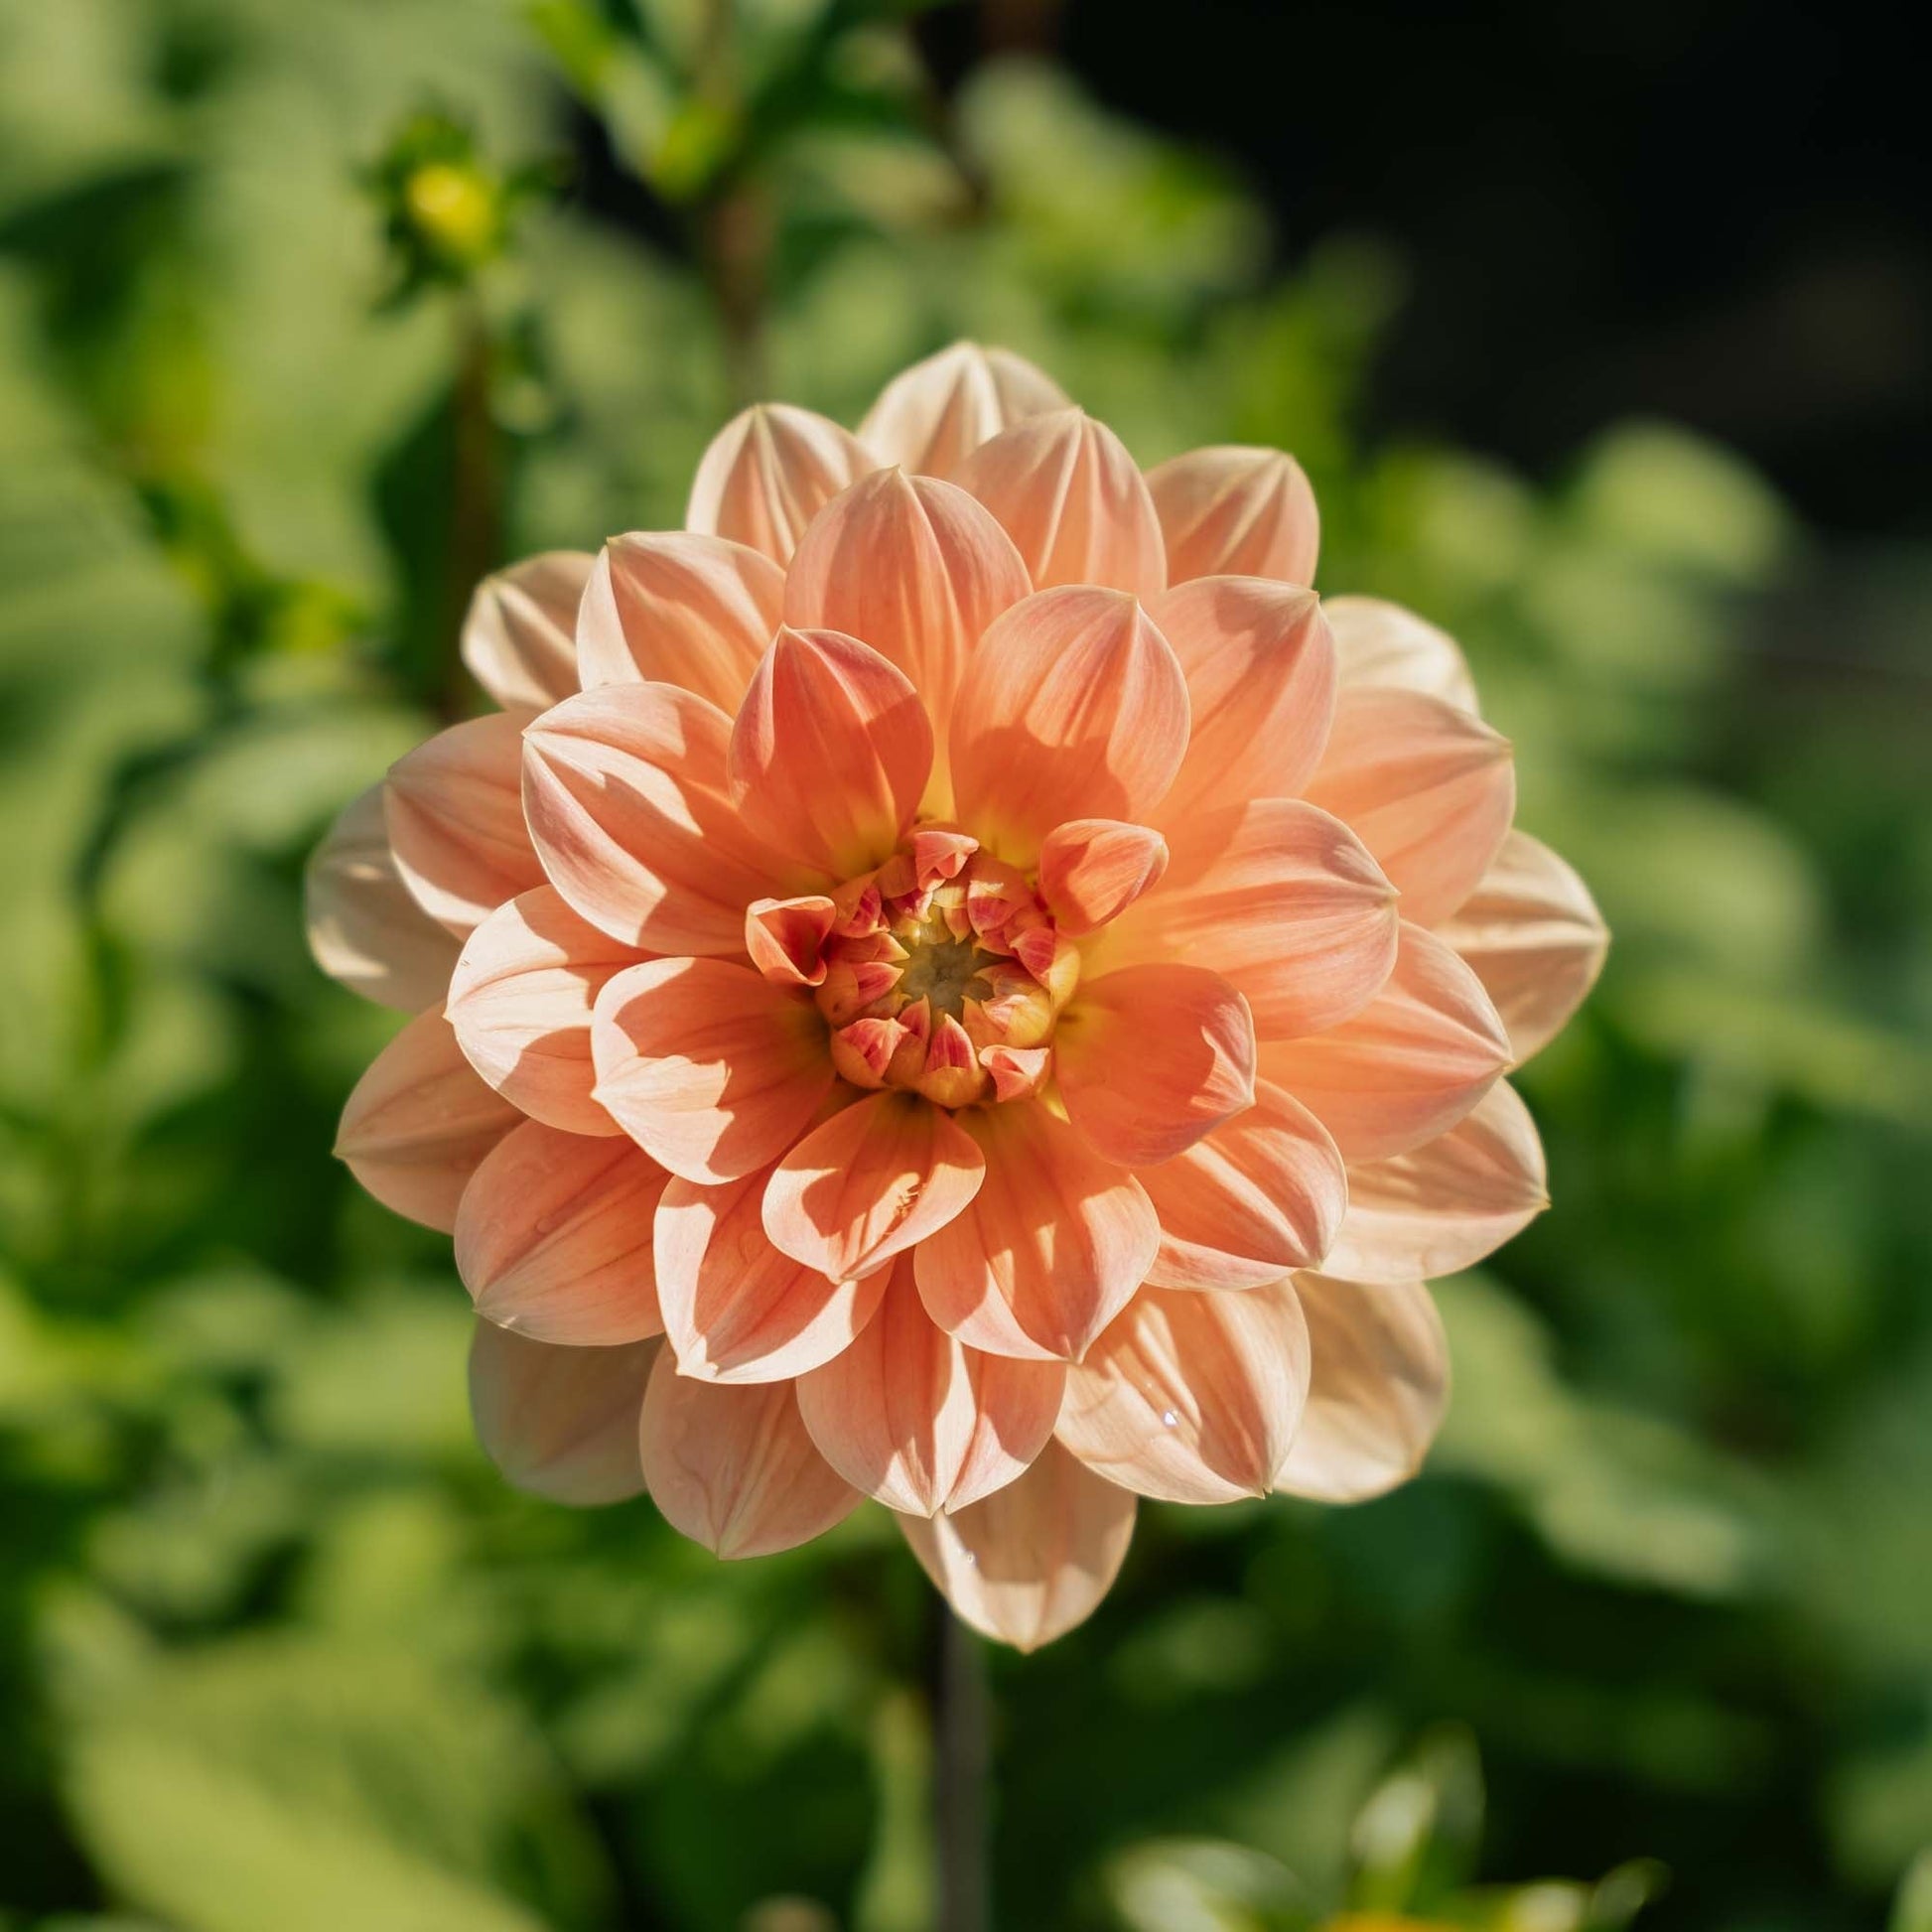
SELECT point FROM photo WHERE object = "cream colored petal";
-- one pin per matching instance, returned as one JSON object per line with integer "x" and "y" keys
{"x": 1235, "y": 512}
{"x": 520, "y": 639}
{"x": 1378, "y": 644}
{"x": 768, "y": 471}
{"x": 561, "y": 1422}
{"x": 933, "y": 416}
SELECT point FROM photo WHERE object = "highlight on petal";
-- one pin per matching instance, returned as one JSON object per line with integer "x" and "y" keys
{"x": 737, "y": 1309}
{"x": 1447, "y": 1203}
{"x": 873, "y": 1181}
{"x": 419, "y": 1122}
{"x": 1534, "y": 939}
{"x": 733, "y": 1469}
{"x": 672, "y": 607}
{"x": 520, "y": 639}
{"x": 1427, "y": 788}
{"x": 707, "y": 1066}
{"x": 1074, "y": 707}
{"x": 1378, "y": 644}
{"x": 455, "y": 814}
{"x": 1051, "y": 1247}
{"x": 1377, "y": 1390}
{"x": 1285, "y": 903}
{"x": 631, "y": 808}
{"x": 1192, "y": 1398}
{"x": 829, "y": 752}
{"x": 1091, "y": 869}
{"x": 561, "y": 1422}
{"x": 1152, "y": 1057}
{"x": 520, "y": 1001}
{"x": 1409, "y": 1065}
{"x": 553, "y": 1237}
{"x": 1260, "y": 1196}
{"x": 1261, "y": 688}
{"x": 933, "y": 416}
{"x": 921, "y": 1423}
{"x": 1236, "y": 511}
{"x": 365, "y": 929}
{"x": 1073, "y": 502}
{"x": 1034, "y": 1559}
{"x": 768, "y": 471}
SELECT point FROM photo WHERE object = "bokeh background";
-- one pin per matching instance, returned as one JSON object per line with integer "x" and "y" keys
{"x": 1604, "y": 332}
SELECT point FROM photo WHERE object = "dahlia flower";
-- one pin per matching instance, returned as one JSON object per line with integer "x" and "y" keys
{"x": 955, "y": 979}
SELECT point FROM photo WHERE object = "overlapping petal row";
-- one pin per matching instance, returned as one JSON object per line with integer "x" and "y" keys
{"x": 957, "y": 979}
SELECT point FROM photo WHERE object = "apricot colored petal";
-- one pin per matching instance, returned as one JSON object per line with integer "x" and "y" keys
{"x": 629, "y": 805}
{"x": 1409, "y": 1065}
{"x": 785, "y": 937}
{"x": 1261, "y": 1196}
{"x": 455, "y": 814}
{"x": 554, "y": 1238}
{"x": 1034, "y": 1557}
{"x": 767, "y": 473}
{"x": 1152, "y": 1057}
{"x": 1236, "y": 511}
{"x": 1534, "y": 939}
{"x": 1073, "y": 502}
{"x": 870, "y": 1182}
{"x": 672, "y": 606}
{"x": 736, "y": 1308}
{"x": 919, "y": 1422}
{"x": 1261, "y": 689}
{"x": 1377, "y": 1389}
{"x": 520, "y": 639}
{"x": 1072, "y": 707}
{"x": 707, "y": 1066}
{"x": 1378, "y": 644}
{"x": 829, "y": 752}
{"x": 1050, "y": 1249}
{"x": 933, "y": 416}
{"x": 561, "y": 1422}
{"x": 365, "y": 929}
{"x": 1091, "y": 869}
{"x": 1427, "y": 788}
{"x": 733, "y": 1469}
{"x": 1447, "y": 1203}
{"x": 418, "y": 1123}
{"x": 1192, "y": 1398}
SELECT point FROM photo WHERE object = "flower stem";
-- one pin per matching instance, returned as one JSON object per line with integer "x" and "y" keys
{"x": 960, "y": 1775}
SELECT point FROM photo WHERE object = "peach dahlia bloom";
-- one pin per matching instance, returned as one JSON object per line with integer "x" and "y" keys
{"x": 955, "y": 979}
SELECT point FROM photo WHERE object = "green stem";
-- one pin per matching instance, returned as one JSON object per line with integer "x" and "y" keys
{"x": 960, "y": 1711}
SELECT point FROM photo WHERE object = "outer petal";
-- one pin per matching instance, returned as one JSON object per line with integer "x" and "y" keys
{"x": 737, "y": 1309}
{"x": 1261, "y": 689}
{"x": 1073, "y": 502}
{"x": 1534, "y": 936}
{"x": 365, "y": 929}
{"x": 1051, "y": 1248}
{"x": 707, "y": 1066}
{"x": 419, "y": 1122}
{"x": 561, "y": 1422}
{"x": 631, "y": 807}
{"x": 733, "y": 1467}
{"x": 520, "y": 639}
{"x": 521, "y": 1002}
{"x": 1233, "y": 511}
{"x": 553, "y": 1238}
{"x": 1091, "y": 869}
{"x": 1033, "y": 1559}
{"x": 1281, "y": 900}
{"x": 1261, "y": 1196}
{"x": 830, "y": 751}
{"x": 1072, "y": 707}
{"x": 670, "y": 607}
{"x": 1427, "y": 788}
{"x": 768, "y": 471}
{"x": 1153, "y": 1058}
{"x": 456, "y": 821}
{"x": 1378, "y": 1389}
{"x": 1409, "y": 1065}
{"x": 914, "y": 1419}
{"x": 936, "y": 413}
{"x": 870, "y": 1182}
{"x": 1192, "y": 1398}
{"x": 1381, "y": 644}
{"x": 1449, "y": 1203}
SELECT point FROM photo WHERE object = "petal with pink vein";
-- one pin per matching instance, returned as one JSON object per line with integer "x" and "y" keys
{"x": 933, "y": 416}
{"x": 520, "y": 639}
{"x": 768, "y": 471}
{"x": 1236, "y": 511}
{"x": 561, "y": 1422}
{"x": 1091, "y": 869}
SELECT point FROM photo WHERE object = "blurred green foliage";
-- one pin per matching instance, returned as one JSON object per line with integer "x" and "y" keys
{"x": 299, "y": 332}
